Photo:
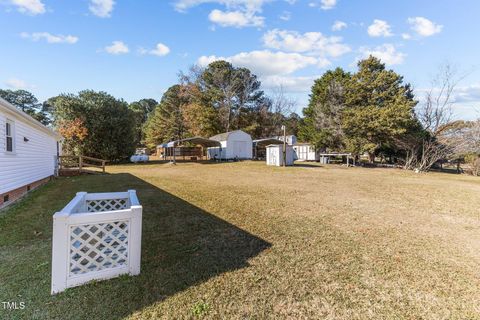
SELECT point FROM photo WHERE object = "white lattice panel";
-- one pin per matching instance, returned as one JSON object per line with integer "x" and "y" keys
{"x": 95, "y": 247}
{"x": 106, "y": 205}
{"x": 96, "y": 236}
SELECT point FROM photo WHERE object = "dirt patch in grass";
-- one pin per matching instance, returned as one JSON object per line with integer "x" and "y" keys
{"x": 243, "y": 240}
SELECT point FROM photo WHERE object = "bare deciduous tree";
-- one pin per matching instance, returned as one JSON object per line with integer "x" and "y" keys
{"x": 435, "y": 115}
{"x": 328, "y": 118}
{"x": 436, "y": 111}
{"x": 468, "y": 146}
{"x": 280, "y": 107}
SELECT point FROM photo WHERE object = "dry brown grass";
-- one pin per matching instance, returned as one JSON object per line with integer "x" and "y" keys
{"x": 247, "y": 241}
{"x": 346, "y": 243}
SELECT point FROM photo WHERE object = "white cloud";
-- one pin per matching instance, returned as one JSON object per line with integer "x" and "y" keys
{"x": 50, "y": 38}
{"x": 311, "y": 42}
{"x": 285, "y": 16}
{"x": 424, "y": 27}
{"x": 379, "y": 28}
{"x": 238, "y": 19}
{"x": 465, "y": 100}
{"x": 248, "y": 5}
{"x": 32, "y": 7}
{"x": 469, "y": 93}
{"x": 328, "y": 4}
{"x": 160, "y": 50}
{"x": 117, "y": 47}
{"x": 274, "y": 68}
{"x": 291, "y": 84}
{"x": 238, "y": 13}
{"x": 387, "y": 53}
{"x": 268, "y": 63}
{"x": 323, "y": 4}
{"x": 204, "y": 61}
{"x": 17, "y": 84}
{"x": 406, "y": 36}
{"x": 101, "y": 8}
{"x": 339, "y": 25}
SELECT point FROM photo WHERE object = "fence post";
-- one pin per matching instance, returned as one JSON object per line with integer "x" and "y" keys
{"x": 56, "y": 161}
{"x": 80, "y": 163}
{"x": 136, "y": 234}
{"x": 60, "y": 251}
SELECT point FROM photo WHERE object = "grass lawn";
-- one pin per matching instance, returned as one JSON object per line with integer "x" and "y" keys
{"x": 247, "y": 241}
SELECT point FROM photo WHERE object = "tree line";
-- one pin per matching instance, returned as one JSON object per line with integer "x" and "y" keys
{"x": 219, "y": 98}
{"x": 205, "y": 102}
{"x": 371, "y": 111}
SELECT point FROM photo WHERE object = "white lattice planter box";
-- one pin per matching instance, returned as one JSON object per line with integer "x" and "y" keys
{"x": 97, "y": 236}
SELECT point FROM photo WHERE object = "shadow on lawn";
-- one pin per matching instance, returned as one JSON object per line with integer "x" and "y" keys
{"x": 307, "y": 165}
{"x": 182, "y": 245}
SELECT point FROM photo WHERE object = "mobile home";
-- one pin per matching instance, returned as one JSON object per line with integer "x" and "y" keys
{"x": 28, "y": 153}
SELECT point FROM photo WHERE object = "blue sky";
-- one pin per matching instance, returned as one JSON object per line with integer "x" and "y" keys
{"x": 134, "y": 49}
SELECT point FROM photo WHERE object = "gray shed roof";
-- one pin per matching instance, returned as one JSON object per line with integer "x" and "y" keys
{"x": 224, "y": 136}
{"x": 220, "y": 136}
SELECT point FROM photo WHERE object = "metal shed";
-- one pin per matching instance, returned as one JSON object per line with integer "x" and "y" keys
{"x": 260, "y": 145}
{"x": 174, "y": 150}
{"x": 233, "y": 145}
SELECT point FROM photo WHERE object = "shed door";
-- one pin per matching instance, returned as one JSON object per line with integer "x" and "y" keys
{"x": 239, "y": 148}
{"x": 272, "y": 156}
{"x": 302, "y": 153}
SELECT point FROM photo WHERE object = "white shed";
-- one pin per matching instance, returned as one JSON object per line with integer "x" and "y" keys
{"x": 305, "y": 152}
{"x": 235, "y": 145}
{"x": 28, "y": 153}
{"x": 275, "y": 155}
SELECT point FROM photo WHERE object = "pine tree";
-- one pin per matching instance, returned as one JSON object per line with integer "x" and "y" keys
{"x": 379, "y": 108}
{"x": 322, "y": 123}
{"x": 167, "y": 123}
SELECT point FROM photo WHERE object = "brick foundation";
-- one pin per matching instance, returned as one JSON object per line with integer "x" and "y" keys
{"x": 16, "y": 194}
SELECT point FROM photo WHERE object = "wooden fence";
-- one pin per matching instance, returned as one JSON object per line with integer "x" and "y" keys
{"x": 80, "y": 164}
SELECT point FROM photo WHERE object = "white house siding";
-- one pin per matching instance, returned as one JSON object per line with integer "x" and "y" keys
{"x": 31, "y": 161}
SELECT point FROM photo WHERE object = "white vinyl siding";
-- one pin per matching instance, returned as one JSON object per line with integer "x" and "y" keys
{"x": 9, "y": 136}
{"x": 30, "y": 160}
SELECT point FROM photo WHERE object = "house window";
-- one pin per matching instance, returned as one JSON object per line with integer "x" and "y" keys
{"x": 6, "y": 198}
{"x": 9, "y": 142}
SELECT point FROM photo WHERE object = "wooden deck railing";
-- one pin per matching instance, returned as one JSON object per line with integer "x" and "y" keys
{"x": 80, "y": 164}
